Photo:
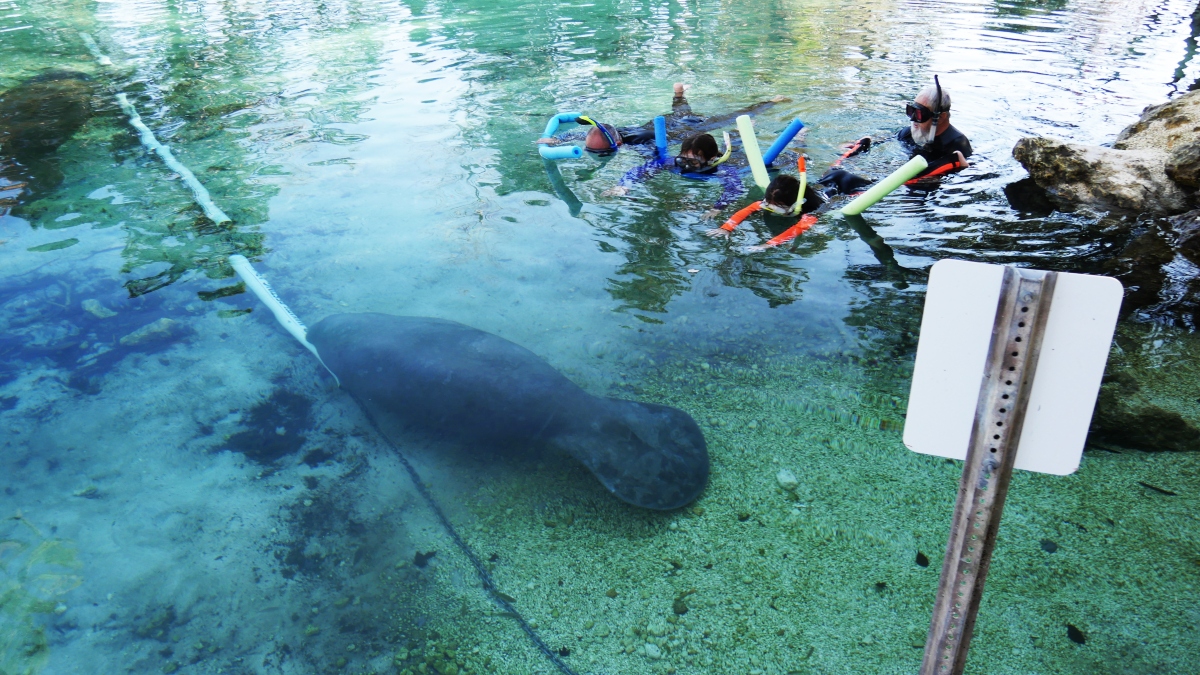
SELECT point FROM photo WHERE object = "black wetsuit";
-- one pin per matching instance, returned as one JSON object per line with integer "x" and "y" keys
{"x": 939, "y": 154}
{"x": 940, "y": 151}
{"x": 682, "y": 122}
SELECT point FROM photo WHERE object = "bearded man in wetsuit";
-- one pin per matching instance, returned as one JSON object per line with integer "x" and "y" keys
{"x": 928, "y": 134}
{"x": 931, "y": 135}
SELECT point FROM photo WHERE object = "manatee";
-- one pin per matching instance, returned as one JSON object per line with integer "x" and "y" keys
{"x": 472, "y": 387}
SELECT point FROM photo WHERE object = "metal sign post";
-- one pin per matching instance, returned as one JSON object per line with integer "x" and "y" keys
{"x": 1017, "y": 332}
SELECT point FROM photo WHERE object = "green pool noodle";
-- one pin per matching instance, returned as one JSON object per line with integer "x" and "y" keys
{"x": 753, "y": 154}
{"x": 884, "y": 187}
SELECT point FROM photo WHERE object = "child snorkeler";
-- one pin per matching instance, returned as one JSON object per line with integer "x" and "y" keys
{"x": 782, "y": 199}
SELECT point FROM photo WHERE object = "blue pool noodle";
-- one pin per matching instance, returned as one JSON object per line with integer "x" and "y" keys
{"x": 780, "y": 143}
{"x": 660, "y": 135}
{"x": 560, "y": 151}
{"x": 552, "y": 125}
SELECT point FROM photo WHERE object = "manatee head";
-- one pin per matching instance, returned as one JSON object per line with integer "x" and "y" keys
{"x": 648, "y": 455}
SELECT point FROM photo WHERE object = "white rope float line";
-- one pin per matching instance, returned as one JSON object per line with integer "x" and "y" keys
{"x": 95, "y": 49}
{"x": 255, "y": 283}
{"x": 283, "y": 314}
{"x": 210, "y": 209}
{"x": 203, "y": 199}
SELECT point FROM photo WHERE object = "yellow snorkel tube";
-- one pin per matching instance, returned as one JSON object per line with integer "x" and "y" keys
{"x": 724, "y": 156}
{"x": 800, "y": 166}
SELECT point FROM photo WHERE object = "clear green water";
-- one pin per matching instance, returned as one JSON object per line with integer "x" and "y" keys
{"x": 378, "y": 156}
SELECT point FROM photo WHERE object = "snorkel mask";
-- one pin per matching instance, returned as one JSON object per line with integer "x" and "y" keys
{"x": 921, "y": 114}
{"x": 794, "y": 209}
{"x": 612, "y": 142}
{"x": 693, "y": 165}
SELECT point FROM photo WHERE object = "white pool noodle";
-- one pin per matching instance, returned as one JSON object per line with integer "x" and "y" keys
{"x": 211, "y": 210}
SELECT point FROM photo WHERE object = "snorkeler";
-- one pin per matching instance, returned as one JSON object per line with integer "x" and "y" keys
{"x": 783, "y": 199}
{"x": 606, "y": 139}
{"x": 698, "y": 158}
{"x": 931, "y": 135}
{"x": 928, "y": 134}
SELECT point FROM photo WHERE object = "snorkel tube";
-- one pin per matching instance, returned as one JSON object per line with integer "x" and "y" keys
{"x": 728, "y": 151}
{"x": 560, "y": 151}
{"x": 802, "y": 168}
{"x": 884, "y": 187}
{"x": 660, "y": 136}
{"x": 753, "y": 154}
{"x": 780, "y": 143}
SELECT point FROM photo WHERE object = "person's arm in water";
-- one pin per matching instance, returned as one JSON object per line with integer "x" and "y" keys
{"x": 806, "y": 221}
{"x": 732, "y": 189}
{"x": 679, "y": 104}
{"x": 637, "y": 174}
{"x": 735, "y": 220}
{"x": 577, "y": 134}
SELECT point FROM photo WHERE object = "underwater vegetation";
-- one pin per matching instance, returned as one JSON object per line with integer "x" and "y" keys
{"x": 39, "y": 115}
{"x": 275, "y": 428}
{"x": 36, "y": 572}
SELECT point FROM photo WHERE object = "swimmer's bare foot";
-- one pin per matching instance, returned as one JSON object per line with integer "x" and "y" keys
{"x": 549, "y": 141}
{"x": 615, "y": 191}
{"x": 780, "y": 99}
{"x": 681, "y": 87}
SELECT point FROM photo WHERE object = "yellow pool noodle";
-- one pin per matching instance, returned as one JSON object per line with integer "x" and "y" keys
{"x": 753, "y": 154}
{"x": 881, "y": 189}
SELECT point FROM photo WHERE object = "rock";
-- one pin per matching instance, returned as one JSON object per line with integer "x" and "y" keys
{"x": 1164, "y": 126}
{"x": 1153, "y": 166}
{"x": 43, "y": 112}
{"x": 163, "y": 329}
{"x": 602, "y": 630}
{"x": 1183, "y": 232}
{"x": 1158, "y": 285}
{"x": 1132, "y": 181}
{"x": 39, "y": 115}
{"x": 93, "y": 307}
{"x": 787, "y": 480}
{"x": 1183, "y": 165}
{"x": 653, "y": 652}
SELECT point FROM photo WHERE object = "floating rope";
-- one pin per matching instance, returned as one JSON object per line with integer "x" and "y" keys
{"x": 203, "y": 199}
{"x": 485, "y": 577}
{"x": 210, "y": 209}
{"x": 293, "y": 325}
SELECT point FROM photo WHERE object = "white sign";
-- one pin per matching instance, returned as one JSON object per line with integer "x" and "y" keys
{"x": 956, "y": 331}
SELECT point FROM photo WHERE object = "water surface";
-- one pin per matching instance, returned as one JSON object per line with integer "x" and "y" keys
{"x": 189, "y": 491}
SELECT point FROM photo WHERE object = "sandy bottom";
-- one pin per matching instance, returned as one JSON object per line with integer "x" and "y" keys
{"x": 138, "y": 540}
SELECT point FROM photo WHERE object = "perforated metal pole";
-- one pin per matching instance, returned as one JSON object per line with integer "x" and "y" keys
{"x": 1008, "y": 377}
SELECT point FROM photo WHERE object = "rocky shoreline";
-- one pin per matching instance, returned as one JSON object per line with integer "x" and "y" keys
{"x": 1146, "y": 185}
